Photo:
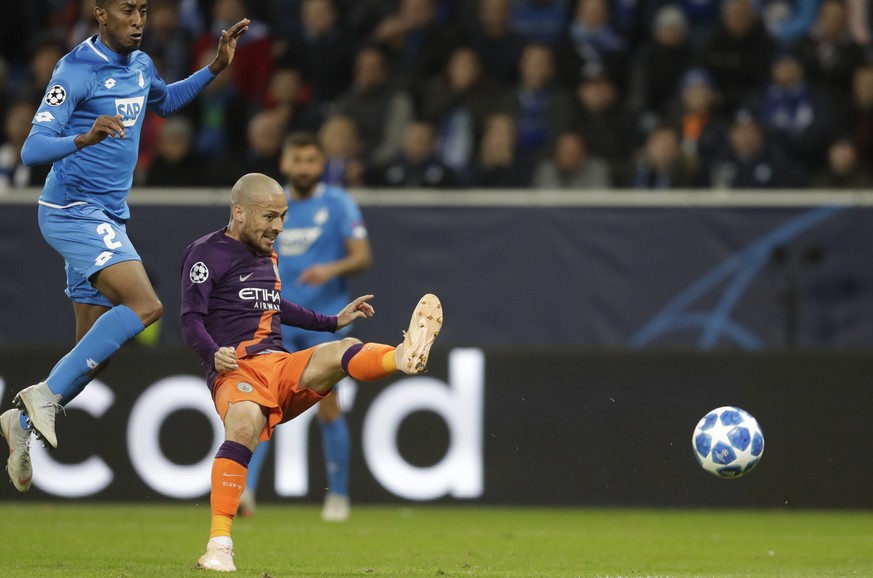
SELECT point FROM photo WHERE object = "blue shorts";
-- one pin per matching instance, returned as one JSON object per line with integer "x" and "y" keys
{"x": 296, "y": 339}
{"x": 89, "y": 241}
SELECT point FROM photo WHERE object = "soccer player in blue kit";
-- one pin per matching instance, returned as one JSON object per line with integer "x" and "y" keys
{"x": 88, "y": 127}
{"x": 323, "y": 242}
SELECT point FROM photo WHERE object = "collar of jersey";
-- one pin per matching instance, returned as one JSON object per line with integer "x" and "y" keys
{"x": 108, "y": 52}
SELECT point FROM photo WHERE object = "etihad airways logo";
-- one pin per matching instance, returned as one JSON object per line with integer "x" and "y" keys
{"x": 263, "y": 298}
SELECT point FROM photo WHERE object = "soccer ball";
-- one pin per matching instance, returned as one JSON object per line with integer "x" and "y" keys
{"x": 728, "y": 442}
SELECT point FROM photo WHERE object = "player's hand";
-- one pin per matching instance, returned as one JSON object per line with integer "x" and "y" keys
{"x": 355, "y": 310}
{"x": 315, "y": 275}
{"x": 104, "y": 126}
{"x": 225, "y": 359}
{"x": 227, "y": 45}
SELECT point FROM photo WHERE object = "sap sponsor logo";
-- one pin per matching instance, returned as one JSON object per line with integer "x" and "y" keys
{"x": 44, "y": 116}
{"x": 129, "y": 109}
{"x": 459, "y": 402}
{"x": 294, "y": 242}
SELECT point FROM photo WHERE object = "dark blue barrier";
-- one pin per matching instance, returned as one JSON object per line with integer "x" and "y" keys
{"x": 535, "y": 275}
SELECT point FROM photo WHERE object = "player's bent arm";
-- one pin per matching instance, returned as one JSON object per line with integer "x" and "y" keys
{"x": 297, "y": 316}
{"x": 166, "y": 99}
{"x": 196, "y": 337}
{"x": 42, "y": 148}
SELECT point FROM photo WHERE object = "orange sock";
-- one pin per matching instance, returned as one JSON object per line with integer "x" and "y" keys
{"x": 371, "y": 362}
{"x": 228, "y": 483}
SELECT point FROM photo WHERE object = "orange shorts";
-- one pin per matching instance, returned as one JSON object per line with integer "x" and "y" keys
{"x": 270, "y": 380}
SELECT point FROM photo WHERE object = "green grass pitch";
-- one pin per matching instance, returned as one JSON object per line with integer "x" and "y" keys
{"x": 89, "y": 540}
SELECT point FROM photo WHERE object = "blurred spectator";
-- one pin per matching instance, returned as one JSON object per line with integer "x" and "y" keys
{"x": 264, "y": 137}
{"x": 46, "y": 50}
{"x": 857, "y": 119}
{"x": 219, "y": 115}
{"x": 842, "y": 171}
{"x": 16, "y": 127}
{"x": 497, "y": 165}
{"x": 175, "y": 164}
{"x": 457, "y": 103}
{"x": 660, "y": 164}
{"x": 4, "y": 92}
{"x": 830, "y": 54}
{"x": 739, "y": 52}
{"x": 571, "y": 167}
{"x": 287, "y": 97}
{"x": 590, "y": 44}
{"x": 540, "y": 20}
{"x": 339, "y": 139}
{"x": 417, "y": 165}
{"x": 860, "y": 20}
{"x": 253, "y": 61}
{"x": 498, "y": 46}
{"x": 605, "y": 125}
{"x": 321, "y": 52}
{"x": 168, "y": 43}
{"x": 789, "y": 20}
{"x": 661, "y": 64}
{"x": 418, "y": 44}
{"x": 791, "y": 114}
{"x": 750, "y": 162}
{"x": 379, "y": 110}
{"x": 85, "y": 25}
{"x": 540, "y": 108}
{"x": 702, "y": 130}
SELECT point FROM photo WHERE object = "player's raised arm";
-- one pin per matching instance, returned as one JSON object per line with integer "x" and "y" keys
{"x": 227, "y": 46}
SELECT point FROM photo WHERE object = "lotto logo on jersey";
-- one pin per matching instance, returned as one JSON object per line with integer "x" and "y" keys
{"x": 129, "y": 109}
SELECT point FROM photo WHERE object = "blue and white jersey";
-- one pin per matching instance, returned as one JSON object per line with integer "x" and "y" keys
{"x": 91, "y": 81}
{"x": 316, "y": 231}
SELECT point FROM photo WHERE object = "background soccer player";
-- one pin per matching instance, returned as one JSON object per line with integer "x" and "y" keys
{"x": 324, "y": 241}
{"x": 232, "y": 316}
{"x": 88, "y": 127}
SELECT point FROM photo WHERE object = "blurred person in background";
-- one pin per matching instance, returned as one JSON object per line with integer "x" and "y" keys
{"x": 830, "y": 55}
{"x": 750, "y": 161}
{"x": 857, "y": 119}
{"x": 842, "y": 171}
{"x": 457, "y": 102}
{"x": 698, "y": 117}
{"x": 46, "y": 51}
{"x": 324, "y": 242}
{"x": 417, "y": 165}
{"x": 739, "y": 52}
{"x": 538, "y": 104}
{"x": 788, "y": 20}
{"x": 497, "y": 165}
{"x": 571, "y": 167}
{"x": 167, "y": 42}
{"x": 83, "y": 206}
{"x": 341, "y": 146}
{"x": 590, "y": 43}
{"x": 540, "y": 21}
{"x": 175, "y": 163}
{"x": 660, "y": 164}
{"x": 379, "y": 108}
{"x": 497, "y": 44}
{"x": 607, "y": 127}
{"x": 14, "y": 174}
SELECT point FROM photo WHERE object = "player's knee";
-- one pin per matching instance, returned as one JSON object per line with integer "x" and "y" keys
{"x": 150, "y": 311}
{"x": 244, "y": 432}
{"x": 347, "y": 342}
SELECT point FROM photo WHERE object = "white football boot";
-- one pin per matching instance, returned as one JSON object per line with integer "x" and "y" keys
{"x": 40, "y": 406}
{"x": 336, "y": 508}
{"x": 218, "y": 557}
{"x": 18, "y": 465}
{"x": 425, "y": 325}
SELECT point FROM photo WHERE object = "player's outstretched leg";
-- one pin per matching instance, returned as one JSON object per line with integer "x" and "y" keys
{"x": 40, "y": 406}
{"x": 18, "y": 438}
{"x": 425, "y": 325}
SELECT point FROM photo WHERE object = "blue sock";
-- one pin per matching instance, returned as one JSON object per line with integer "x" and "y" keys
{"x": 255, "y": 465}
{"x": 336, "y": 444}
{"x": 108, "y": 333}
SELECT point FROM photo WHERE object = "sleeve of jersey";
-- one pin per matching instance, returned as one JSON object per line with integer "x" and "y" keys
{"x": 197, "y": 283}
{"x": 44, "y": 144}
{"x": 166, "y": 99}
{"x": 353, "y": 223}
{"x": 297, "y": 316}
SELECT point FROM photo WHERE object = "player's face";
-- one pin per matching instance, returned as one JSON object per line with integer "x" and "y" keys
{"x": 303, "y": 166}
{"x": 264, "y": 221}
{"x": 122, "y": 24}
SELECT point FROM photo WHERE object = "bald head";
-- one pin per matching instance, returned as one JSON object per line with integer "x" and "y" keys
{"x": 257, "y": 211}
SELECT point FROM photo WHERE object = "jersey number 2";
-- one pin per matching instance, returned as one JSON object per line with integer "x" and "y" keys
{"x": 108, "y": 239}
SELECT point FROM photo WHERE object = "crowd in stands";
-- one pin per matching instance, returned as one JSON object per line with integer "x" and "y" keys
{"x": 454, "y": 94}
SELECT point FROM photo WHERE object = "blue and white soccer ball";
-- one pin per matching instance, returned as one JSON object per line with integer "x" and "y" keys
{"x": 728, "y": 442}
